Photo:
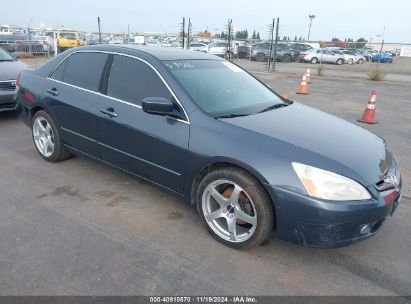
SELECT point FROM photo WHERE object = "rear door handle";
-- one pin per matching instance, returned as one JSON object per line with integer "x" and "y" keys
{"x": 53, "y": 91}
{"x": 109, "y": 111}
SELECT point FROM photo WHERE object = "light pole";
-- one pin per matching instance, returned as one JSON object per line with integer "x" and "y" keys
{"x": 309, "y": 27}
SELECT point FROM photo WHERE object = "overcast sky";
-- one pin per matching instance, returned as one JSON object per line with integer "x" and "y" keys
{"x": 341, "y": 19}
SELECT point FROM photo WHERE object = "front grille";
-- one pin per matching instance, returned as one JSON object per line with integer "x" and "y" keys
{"x": 7, "y": 105}
{"x": 9, "y": 85}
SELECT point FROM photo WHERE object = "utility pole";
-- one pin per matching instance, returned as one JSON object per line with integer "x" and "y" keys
{"x": 271, "y": 44}
{"x": 229, "y": 39}
{"x": 183, "y": 30}
{"x": 128, "y": 33}
{"x": 99, "y": 30}
{"x": 382, "y": 42}
{"x": 309, "y": 27}
{"x": 188, "y": 33}
{"x": 276, "y": 43}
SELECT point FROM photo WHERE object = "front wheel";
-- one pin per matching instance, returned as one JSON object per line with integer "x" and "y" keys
{"x": 47, "y": 138}
{"x": 360, "y": 61}
{"x": 286, "y": 58}
{"x": 235, "y": 208}
{"x": 314, "y": 60}
{"x": 350, "y": 61}
{"x": 340, "y": 61}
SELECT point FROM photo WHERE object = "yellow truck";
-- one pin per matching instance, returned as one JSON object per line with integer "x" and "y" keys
{"x": 69, "y": 39}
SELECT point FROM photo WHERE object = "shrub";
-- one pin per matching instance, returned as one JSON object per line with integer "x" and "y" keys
{"x": 320, "y": 70}
{"x": 377, "y": 74}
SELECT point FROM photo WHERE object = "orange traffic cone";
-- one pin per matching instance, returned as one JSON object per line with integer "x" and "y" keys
{"x": 303, "y": 87}
{"x": 308, "y": 76}
{"x": 369, "y": 113}
{"x": 285, "y": 96}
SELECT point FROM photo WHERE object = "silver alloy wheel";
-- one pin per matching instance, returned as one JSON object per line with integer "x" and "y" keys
{"x": 43, "y": 136}
{"x": 232, "y": 218}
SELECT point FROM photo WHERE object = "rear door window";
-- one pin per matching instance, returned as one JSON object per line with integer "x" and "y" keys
{"x": 132, "y": 80}
{"x": 83, "y": 70}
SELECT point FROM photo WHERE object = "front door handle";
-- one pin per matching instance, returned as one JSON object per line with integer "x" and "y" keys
{"x": 53, "y": 91}
{"x": 109, "y": 111}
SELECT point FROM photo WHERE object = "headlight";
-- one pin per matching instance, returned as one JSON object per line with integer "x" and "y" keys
{"x": 328, "y": 185}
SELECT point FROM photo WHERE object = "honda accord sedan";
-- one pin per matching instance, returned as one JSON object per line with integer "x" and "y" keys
{"x": 209, "y": 132}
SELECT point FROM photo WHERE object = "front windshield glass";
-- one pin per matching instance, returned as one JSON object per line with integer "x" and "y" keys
{"x": 221, "y": 88}
{"x": 4, "y": 56}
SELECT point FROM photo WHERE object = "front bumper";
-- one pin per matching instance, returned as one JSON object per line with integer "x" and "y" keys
{"x": 7, "y": 102}
{"x": 312, "y": 222}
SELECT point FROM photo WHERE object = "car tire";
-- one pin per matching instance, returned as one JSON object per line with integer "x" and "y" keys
{"x": 339, "y": 61}
{"x": 259, "y": 58}
{"x": 47, "y": 138}
{"x": 314, "y": 60}
{"x": 350, "y": 61}
{"x": 286, "y": 58}
{"x": 360, "y": 61}
{"x": 239, "y": 221}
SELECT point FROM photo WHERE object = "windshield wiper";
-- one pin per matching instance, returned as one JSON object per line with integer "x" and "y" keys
{"x": 275, "y": 106}
{"x": 231, "y": 115}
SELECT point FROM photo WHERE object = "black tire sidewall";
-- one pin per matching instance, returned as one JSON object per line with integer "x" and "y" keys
{"x": 262, "y": 203}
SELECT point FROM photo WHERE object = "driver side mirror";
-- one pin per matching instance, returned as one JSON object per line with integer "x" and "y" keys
{"x": 158, "y": 106}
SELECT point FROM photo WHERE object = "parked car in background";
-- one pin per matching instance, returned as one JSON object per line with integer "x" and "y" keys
{"x": 297, "y": 48}
{"x": 243, "y": 51}
{"x": 218, "y": 48}
{"x": 10, "y": 68}
{"x": 213, "y": 135}
{"x": 321, "y": 56}
{"x": 382, "y": 57}
{"x": 69, "y": 39}
{"x": 46, "y": 41}
{"x": 358, "y": 57}
{"x": 348, "y": 58}
{"x": 116, "y": 40}
{"x": 261, "y": 52}
{"x": 200, "y": 47}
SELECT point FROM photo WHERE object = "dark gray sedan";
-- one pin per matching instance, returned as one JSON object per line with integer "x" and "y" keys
{"x": 10, "y": 69}
{"x": 209, "y": 132}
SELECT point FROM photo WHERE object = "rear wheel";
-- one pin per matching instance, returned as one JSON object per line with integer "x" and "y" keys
{"x": 314, "y": 60}
{"x": 47, "y": 138}
{"x": 260, "y": 57}
{"x": 235, "y": 208}
{"x": 350, "y": 61}
{"x": 340, "y": 61}
{"x": 360, "y": 61}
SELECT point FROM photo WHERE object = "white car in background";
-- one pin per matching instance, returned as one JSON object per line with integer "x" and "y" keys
{"x": 358, "y": 58}
{"x": 46, "y": 41}
{"x": 348, "y": 58}
{"x": 198, "y": 46}
{"x": 218, "y": 48}
{"x": 116, "y": 40}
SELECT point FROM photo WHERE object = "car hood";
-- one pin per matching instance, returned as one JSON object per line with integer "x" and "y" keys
{"x": 322, "y": 140}
{"x": 10, "y": 70}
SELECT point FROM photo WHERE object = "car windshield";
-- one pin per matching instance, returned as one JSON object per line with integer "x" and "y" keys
{"x": 5, "y": 56}
{"x": 221, "y": 88}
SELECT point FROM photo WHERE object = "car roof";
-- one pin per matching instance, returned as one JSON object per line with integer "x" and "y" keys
{"x": 158, "y": 52}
